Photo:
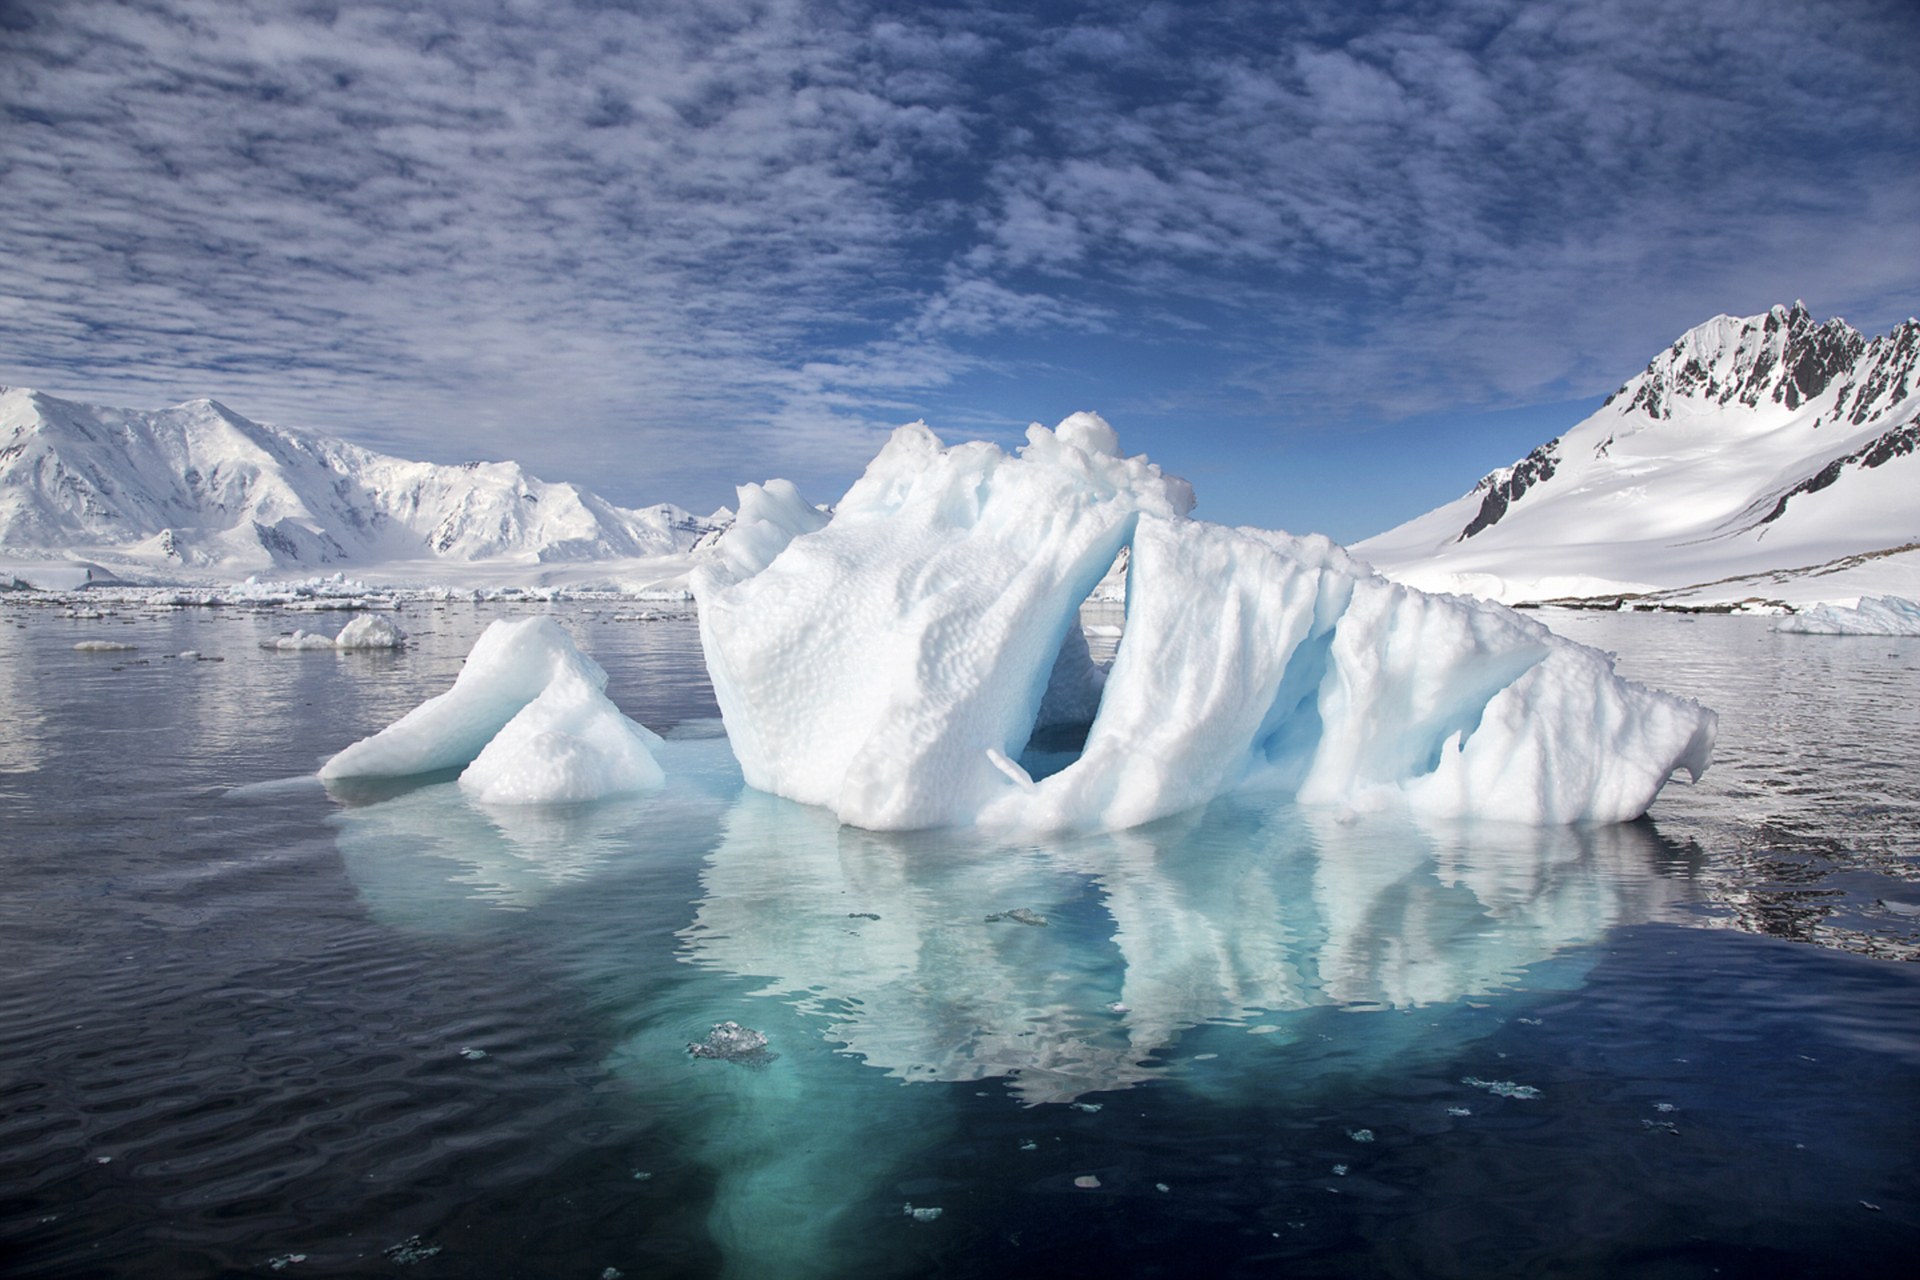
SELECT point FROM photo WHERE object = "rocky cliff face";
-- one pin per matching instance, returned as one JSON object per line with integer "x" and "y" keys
{"x": 199, "y": 486}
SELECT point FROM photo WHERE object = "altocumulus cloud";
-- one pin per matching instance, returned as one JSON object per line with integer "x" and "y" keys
{"x": 663, "y": 247}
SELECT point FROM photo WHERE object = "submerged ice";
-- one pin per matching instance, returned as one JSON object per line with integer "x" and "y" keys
{"x": 917, "y": 660}
{"x": 527, "y": 721}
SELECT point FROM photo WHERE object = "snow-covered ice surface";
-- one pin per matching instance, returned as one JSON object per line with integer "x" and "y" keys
{"x": 528, "y": 719}
{"x": 918, "y": 662}
{"x": 1873, "y": 616}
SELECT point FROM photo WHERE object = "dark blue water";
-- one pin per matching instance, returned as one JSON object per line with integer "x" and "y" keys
{"x": 242, "y": 1021}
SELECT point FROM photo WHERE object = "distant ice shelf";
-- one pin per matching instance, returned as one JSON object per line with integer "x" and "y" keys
{"x": 1873, "y": 616}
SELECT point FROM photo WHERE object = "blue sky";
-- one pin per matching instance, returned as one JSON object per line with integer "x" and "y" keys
{"x": 1332, "y": 262}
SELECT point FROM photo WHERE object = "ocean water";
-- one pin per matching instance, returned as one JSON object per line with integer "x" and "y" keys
{"x": 251, "y": 1027}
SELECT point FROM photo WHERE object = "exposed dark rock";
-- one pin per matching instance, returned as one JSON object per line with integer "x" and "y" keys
{"x": 1896, "y": 443}
{"x": 1505, "y": 487}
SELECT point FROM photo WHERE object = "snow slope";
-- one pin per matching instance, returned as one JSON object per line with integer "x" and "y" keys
{"x": 1767, "y": 458}
{"x": 199, "y": 488}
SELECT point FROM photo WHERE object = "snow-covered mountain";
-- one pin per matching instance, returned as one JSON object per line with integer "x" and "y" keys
{"x": 1768, "y": 458}
{"x": 199, "y": 488}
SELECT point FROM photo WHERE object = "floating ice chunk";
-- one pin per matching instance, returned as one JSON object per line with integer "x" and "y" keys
{"x": 102, "y": 646}
{"x": 299, "y": 640}
{"x": 409, "y": 1251}
{"x": 731, "y": 1042}
{"x": 369, "y": 631}
{"x": 528, "y": 719}
{"x": 927, "y": 1214}
{"x": 1501, "y": 1088}
{"x": 896, "y": 664}
{"x": 1874, "y": 616}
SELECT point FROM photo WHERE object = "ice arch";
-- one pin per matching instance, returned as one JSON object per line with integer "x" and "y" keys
{"x": 891, "y": 664}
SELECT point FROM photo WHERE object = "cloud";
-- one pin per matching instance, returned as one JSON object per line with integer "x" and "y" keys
{"x": 663, "y": 248}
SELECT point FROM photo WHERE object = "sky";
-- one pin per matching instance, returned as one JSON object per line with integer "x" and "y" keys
{"x": 1332, "y": 262}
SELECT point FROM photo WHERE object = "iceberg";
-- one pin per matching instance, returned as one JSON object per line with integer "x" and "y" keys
{"x": 917, "y": 661}
{"x": 1873, "y": 616}
{"x": 369, "y": 631}
{"x": 527, "y": 719}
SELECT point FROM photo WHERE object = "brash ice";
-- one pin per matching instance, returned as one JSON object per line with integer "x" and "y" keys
{"x": 905, "y": 663}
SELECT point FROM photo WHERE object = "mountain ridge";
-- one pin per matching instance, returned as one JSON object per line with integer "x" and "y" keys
{"x": 199, "y": 487}
{"x": 1754, "y": 454}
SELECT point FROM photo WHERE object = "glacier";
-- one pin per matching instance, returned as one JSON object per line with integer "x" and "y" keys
{"x": 917, "y": 660}
{"x": 527, "y": 721}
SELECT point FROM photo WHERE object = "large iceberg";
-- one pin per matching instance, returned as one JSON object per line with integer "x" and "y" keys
{"x": 918, "y": 661}
{"x": 528, "y": 719}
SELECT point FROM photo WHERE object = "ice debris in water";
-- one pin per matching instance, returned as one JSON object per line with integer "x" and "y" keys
{"x": 473, "y": 1055}
{"x": 409, "y": 1251}
{"x": 921, "y": 1215}
{"x": 1874, "y": 616}
{"x": 285, "y": 1260}
{"x": 1020, "y": 915}
{"x": 1087, "y": 1182}
{"x": 1501, "y": 1088}
{"x": 1088, "y": 1107}
{"x": 1360, "y": 1135}
{"x": 1340, "y": 1171}
{"x": 731, "y": 1042}
{"x": 102, "y": 646}
{"x": 893, "y": 664}
{"x": 528, "y": 718}
{"x": 1459, "y": 1111}
{"x": 369, "y": 631}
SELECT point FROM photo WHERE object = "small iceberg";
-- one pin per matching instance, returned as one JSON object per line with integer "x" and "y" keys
{"x": 528, "y": 719}
{"x": 369, "y": 631}
{"x": 1873, "y": 616}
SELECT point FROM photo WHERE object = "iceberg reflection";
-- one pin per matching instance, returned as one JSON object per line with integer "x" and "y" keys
{"x": 1233, "y": 914}
{"x": 430, "y": 857}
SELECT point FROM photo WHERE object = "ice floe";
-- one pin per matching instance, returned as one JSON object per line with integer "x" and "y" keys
{"x": 917, "y": 660}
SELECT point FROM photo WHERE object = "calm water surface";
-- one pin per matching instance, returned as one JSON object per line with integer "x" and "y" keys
{"x": 246, "y": 1023}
